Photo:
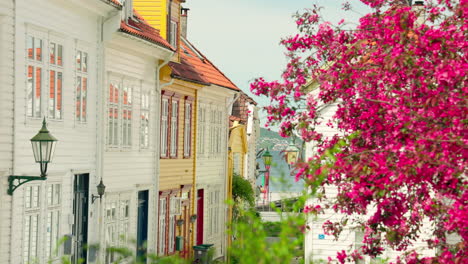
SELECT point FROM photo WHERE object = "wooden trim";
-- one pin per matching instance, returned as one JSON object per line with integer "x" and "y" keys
{"x": 166, "y": 93}
{"x": 189, "y": 98}
{"x": 177, "y": 99}
{"x": 164, "y": 194}
{"x": 190, "y": 102}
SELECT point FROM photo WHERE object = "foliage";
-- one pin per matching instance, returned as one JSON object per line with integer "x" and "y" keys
{"x": 242, "y": 190}
{"x": 400, "y": 88}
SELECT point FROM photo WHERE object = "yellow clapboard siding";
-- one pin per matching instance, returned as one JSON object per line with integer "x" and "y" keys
{"x": 154, "y": 12}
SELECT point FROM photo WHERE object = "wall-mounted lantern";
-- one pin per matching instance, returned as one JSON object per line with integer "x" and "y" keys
{"x": 101, "y": 189}
{"x": 43, "y": 145}
{"x": 291, "y": 153}
{"x": 180, "y": 222}
{"x": 193, "y": 218}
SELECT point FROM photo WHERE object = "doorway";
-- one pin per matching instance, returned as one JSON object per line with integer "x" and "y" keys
{"x": 80, "y": 214}
{"x": 142, "y": 225}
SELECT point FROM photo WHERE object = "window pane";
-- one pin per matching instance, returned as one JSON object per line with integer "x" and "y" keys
{"x": 78, "y": 99}
{"x": 52, "y": 94}
{"x": 58, "y": 110}
{"x": 85, "y": 62}
{"x": 52, "y": 53}
{"x": 37, "y": 96}
{"x": 59, "y": 55}
{"x": 30, "y": 47}
{"x": 38, "y": 48}
{"x": 84, "y": 93}
{"x": 30, "y": 90}
{"x": 78, "y": 60}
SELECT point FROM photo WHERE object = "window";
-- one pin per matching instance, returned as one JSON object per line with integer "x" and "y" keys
{"x": 120, "y": 114}
{"x": 174, "y": 128}
{"x": 127, "y": 116}
{"x": 173, "y": 34}
{"x": 213, "y": 213}
{"x": 215, "y": 130}
{"x": 34, "y": 79}
{"x": 201, "y": 129}
{"x": 169, "y": 124}
{"x": 55, "y": 80}
{"x": 81, "y": 61}
{"x": 164, "y": 125}
{"x": 145, "y": 117}
{"x": 162, "y": 226}
{"x": 53, "y": 220}
{"x": 31, "y": 223}
{"x": 117, "y": 224}
{"x": 113, "y": 109}
{"x": 188, "y": 128}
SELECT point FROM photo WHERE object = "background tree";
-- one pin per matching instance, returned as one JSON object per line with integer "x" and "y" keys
{"x": 401, "y": 90}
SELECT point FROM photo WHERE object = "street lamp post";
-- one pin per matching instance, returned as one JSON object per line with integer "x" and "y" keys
{"x": 267, "y": 159}
{"x": 43, "y": 145}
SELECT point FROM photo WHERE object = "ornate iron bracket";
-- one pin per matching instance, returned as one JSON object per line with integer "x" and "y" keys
{"x": 20, "y": 181}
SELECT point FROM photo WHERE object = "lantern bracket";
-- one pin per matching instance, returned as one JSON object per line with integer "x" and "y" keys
{"x": 12, "y": 185}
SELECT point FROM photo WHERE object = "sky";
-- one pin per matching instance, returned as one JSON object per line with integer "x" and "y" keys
{"x": 241, "y": 37}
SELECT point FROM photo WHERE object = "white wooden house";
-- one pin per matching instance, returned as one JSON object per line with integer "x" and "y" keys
{"x": 129, "y": 138}
{"x": 319, "y": 246}
{"x": 52, "y": 71}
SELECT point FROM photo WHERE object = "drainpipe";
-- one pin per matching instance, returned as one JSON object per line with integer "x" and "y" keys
{"x": 9, "y": 200}
{"x": 226, "y": 172}
{"x": 194, "y": 187}
{"x": 156, "y": 137}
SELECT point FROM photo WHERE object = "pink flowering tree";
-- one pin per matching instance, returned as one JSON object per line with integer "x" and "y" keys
{"x": 400, "y": 82}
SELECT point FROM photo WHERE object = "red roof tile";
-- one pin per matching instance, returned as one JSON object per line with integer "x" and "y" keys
{"x": 187, "y": 72}
{"x": 138, "y": 27}
{"x": 204, "y": 67}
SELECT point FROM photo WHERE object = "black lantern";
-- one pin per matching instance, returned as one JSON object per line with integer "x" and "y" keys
{"x": 291, "y": 153}
{"x": 267, "y": 159}
{"x": 43, "y": 145}
{"x": 101, "y": 189}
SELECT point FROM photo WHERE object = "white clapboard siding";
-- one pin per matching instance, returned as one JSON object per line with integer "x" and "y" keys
{"x": 211, "y": 170}
{"x": 6, "y": 121}
{"x": 74, "y": 27}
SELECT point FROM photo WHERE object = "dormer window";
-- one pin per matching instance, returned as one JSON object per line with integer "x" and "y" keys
{"x": 173, "y": 34}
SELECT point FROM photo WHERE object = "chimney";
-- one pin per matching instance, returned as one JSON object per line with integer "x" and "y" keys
{"x": 420, "y": 10}
{"x": 128, "y": 9}
{"x": 183, "y": 21}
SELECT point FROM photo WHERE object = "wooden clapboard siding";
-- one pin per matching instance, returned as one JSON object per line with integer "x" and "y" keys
{"x": 154, "y": 12}
{"x": 175, "y": 172}
{"x": 7, "y": 46}
{"x": 211, "y": 170}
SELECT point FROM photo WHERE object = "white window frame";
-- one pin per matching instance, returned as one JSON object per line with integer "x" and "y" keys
{"x": 188, "y": 128}
{"x": 117, "y": 215}
{"x": 120, "y": 128}
{"x": 162, "y": 226}
{"x": 54, "y": 197}
{"x": 145, "y": 115}
{"x": 174, "y": 128}
{"x": 164, "y": 126}
{"x": 35, "y": 103}
{"x": 31, "y": 224}
{"x": 201, "y": 129}
{"x": 55, "y": 105}
{"x": 81, "y": 59}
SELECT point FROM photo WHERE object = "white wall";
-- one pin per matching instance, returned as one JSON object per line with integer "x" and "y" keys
{"x": 6, "y": 121}
{"x": 211, "y": 169}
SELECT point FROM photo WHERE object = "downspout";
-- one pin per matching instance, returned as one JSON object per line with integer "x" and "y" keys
{"x": 157, "y": 140}
{"x": 226, "y": 171}
{"x": 194, "y": 187}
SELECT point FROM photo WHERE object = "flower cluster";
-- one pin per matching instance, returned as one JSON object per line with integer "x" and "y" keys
{"x": 401, "y": 86}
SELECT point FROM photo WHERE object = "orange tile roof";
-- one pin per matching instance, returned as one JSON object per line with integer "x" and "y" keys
{"x": 138, "y": 27}
{"x": 207, "y": 70}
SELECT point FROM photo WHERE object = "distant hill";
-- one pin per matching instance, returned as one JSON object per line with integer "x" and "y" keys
{"x": 273, "y": 141}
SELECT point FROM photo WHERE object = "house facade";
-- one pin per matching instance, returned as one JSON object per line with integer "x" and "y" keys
{"x": 134, "y": 54}
{"x": 52, "y": 72}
